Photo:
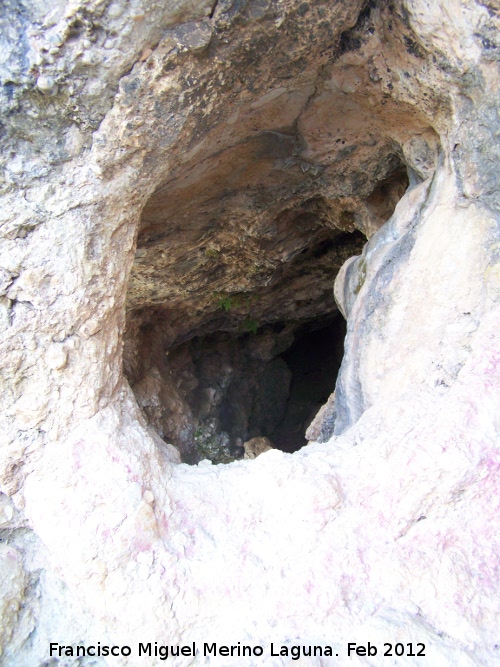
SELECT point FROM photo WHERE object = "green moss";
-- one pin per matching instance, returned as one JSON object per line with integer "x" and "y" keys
{"x": 250, "y": 325}
{"x": 226, "y": 303}
{"x": 212, "y": 446}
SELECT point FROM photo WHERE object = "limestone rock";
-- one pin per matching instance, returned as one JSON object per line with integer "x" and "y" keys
{"x": 6, "y": 511}
{"x": 12, "y": 585}
{"x": 432, "y": 354}
{"x": 322, "y": 426}
{"x": 181, "y": 184}
{"x": 256, "y": 446}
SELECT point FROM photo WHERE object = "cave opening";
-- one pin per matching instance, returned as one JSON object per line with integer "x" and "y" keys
{"x": 252, "y": 369}
{"x": 233, "y": 333}
{"x": 234, "y": 340}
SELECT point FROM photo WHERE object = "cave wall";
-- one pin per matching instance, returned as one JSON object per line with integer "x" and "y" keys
{"x": 111, "y": 112}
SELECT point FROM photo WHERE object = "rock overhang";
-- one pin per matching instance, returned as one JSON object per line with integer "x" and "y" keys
{"x": 288, "y": 179}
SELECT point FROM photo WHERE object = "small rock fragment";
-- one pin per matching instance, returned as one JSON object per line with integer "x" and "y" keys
{"x": 257, "y": 446}
{"x": 47, "y": 85}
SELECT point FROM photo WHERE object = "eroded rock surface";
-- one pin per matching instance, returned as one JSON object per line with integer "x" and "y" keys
{"x": 182, "y": 170}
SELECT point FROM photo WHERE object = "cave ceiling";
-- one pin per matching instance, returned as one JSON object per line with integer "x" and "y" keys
{"x": 297, "y": 151}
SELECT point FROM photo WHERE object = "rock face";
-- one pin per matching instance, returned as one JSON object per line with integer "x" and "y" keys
{"x": 183, "y": 183}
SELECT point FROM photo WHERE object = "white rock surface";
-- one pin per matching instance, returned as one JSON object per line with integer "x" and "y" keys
{"x": 390, "y": 531}
{"x": 12, "y": 585}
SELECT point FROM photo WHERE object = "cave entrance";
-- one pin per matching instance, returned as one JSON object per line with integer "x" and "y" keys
{"x": 216, "y": 369}
{"x": 232, "y": 328}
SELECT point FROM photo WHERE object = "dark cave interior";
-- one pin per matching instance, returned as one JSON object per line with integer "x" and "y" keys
{"x": 314, "y": 360}
{"x": 278, "y": 400}
{"x": 212, "y": 393}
